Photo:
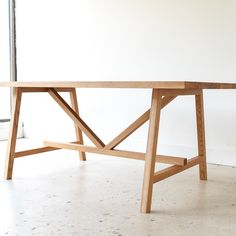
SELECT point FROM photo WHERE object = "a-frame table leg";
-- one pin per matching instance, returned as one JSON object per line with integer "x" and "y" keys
{"x": 201, "y": 136}
{"x": 79, "y": 135}
{"x": 151, "y": 151}
{"x": 17, "y": 94}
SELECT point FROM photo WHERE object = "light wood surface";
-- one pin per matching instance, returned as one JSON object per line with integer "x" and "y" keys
{"x": 201, "y": 136}
{"x": 179, "y": 161}
{"x": 162, "y": 94}
{"x": 79, "y": 135}
{"x": 13, "y": 133}
{"x": 42, "y": 90}
{"x": 136, "y": 124}
{"x": 179, "y": 92}
{"x": 172, "y": 170}
{"x": 76, "y": 118}
{"x": 154, "y": 121}
{"x": 122, "y": 84}
{"x": 34, "y": 151}
{"x": 128, "y": 131}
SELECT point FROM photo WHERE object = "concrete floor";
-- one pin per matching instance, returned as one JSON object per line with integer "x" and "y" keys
{"x": 56, "y": 194}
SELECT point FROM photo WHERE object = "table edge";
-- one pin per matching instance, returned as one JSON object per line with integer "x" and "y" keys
{"x": 122, "y": 84}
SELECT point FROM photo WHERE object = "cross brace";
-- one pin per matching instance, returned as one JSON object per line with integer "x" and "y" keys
{"x": 160, "y": 99}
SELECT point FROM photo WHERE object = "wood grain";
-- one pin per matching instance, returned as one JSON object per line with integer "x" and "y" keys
{"x": 201, "y": 136}
{"x": 180, "y": 161}
{"x": 173, "y": 170}
{"x": 123, "y": 84}
{"x": 13, "y": 133}
{"x": 76, "y": 118}
{"x": 151, "y": 152}
{"x": 34, "y": 151}
{"x": 79, "y": 135}
{"x": 136, "y": 124}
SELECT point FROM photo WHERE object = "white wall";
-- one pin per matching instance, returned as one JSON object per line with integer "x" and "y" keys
{"x": 131, "y": 40}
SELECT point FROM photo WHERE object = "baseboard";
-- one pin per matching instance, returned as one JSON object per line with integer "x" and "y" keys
{"x": 4, "y": 130}
{"x": 220, "y": 156}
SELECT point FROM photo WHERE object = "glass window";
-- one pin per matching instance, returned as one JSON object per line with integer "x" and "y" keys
{"x": 4, "y": 60}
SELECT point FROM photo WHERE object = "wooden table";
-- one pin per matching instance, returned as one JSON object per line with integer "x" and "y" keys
{"x": 162, "y": 94}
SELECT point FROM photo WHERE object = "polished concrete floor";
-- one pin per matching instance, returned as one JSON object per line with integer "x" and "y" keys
{"x": 56, "y": 194}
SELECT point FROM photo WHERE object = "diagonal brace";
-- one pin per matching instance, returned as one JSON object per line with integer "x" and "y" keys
{"x": 76, "y": 118}
{"x": 136, "y": 124}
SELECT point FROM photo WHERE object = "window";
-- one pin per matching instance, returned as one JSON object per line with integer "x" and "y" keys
{"x": 4, "y": 61}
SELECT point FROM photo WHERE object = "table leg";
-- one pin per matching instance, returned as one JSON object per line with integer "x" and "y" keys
{"x": 17, "y": 94}
{"x": 201, "y": 136}
{"x": 151, "y": 152}
{"x": 79, "y": 135}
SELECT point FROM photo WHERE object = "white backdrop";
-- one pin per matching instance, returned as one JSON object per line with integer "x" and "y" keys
{"x": 131, "y": 40}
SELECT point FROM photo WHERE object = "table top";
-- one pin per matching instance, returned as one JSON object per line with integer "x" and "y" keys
{"x": 122, "y": 84}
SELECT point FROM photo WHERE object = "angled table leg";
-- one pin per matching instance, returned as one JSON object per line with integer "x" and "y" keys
{"x": 79, "y": 135}
{"x": 201, "y": 136}
{"x": 13, "y": 133}
{"x": 151, "y": 152}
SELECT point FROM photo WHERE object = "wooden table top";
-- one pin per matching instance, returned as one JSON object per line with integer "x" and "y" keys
{"x": 122, "y": 84}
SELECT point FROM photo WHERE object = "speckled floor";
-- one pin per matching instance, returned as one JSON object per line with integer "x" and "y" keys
{"x": 56, "y": 194}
